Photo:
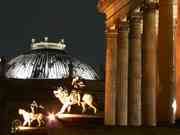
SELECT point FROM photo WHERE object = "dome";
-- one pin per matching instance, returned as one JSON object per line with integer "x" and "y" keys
{"x": 48, "y": 60}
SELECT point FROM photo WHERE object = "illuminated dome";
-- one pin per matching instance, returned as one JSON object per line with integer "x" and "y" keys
{"x": 48, "y": 60}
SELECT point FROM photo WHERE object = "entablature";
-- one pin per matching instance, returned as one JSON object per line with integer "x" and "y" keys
{"x": 117, "y": 9}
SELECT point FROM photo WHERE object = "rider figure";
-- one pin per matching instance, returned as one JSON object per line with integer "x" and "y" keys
{"x": 34, "y": 106}
{"x": 77, "y": 83}
{"x": 75, "y": 97}
{"x": 75, "y": 93}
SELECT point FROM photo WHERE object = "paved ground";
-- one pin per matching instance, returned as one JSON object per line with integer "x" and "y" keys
{"x": 59, "y": 128}
{"x": 115, "y": 131}
{"x": 102, "y": 130}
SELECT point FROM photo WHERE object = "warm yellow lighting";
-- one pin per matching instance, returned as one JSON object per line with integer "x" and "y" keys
{"x": 74, "y": 98}
{"x": 124, "y": 19}
{"x": 174, "y": 106}
{"x": 113, "y": 27}
{"x": 29, "y": 117}
{"x": 175, "y": 9}
{"x": 64, "y": 116}
{"x": 23, "y": 128}
{"x": 51, "y": 117}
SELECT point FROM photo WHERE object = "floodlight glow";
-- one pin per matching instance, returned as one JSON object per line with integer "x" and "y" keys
{"x": 51, "y": 117}
{"x": 174, "y": 106}
{"x": 23, "y": 128}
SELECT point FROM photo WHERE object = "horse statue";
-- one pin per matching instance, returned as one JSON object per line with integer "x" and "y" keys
{"x": 29, "y": 117}
{"x": 72, "y": 99}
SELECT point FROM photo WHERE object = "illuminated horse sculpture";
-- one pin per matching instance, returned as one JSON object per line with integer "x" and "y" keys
{"x": 73, "y": 98}
{"x": 29, "y": 117}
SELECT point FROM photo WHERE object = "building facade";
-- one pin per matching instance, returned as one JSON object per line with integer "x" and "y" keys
{"x": 140, "y": 74}
{"x": 140, "y": 71}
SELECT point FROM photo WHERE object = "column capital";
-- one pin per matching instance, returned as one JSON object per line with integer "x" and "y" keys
{"x": 119, "y": 26}
{"x": 135, "y": 24}
{"x": 112, "y": 31}
{"x": 150, "y": 6}
{"x": 123, "y": 26}
{"x": 136, "y": 17}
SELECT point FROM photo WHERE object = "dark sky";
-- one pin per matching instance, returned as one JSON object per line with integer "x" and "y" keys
{"x": 77, "y": 21}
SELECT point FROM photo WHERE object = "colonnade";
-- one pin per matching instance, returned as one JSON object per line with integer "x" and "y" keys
{"x": 132, "y": 65}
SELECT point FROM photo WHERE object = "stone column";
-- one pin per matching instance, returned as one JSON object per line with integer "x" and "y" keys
{"x": 122, "y": 74}
{"x": 166, "y": 58}
{"x": 178, "y": 61}
{"x": 110, "y": 76}
{"x": 135, "y": 70}
{"x": 149, "y": 41}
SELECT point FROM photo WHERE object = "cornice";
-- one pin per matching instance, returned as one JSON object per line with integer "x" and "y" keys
{"x": 117, "y": 9}
{"x": 102, "y": 5}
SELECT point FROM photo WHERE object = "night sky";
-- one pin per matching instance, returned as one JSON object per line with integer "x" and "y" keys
{"x": 78, "y": 22}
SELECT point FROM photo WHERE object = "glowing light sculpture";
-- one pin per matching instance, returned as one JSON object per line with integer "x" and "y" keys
{"x": 74, "y": 98}
{"x": 71, "y": 99}
{"x": 29, "y": 117}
